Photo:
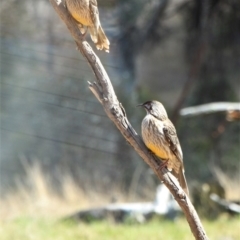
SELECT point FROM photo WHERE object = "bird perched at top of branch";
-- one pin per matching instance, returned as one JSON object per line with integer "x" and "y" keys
{"x": 159, "y": 135}
{"x": 85, "y": 12}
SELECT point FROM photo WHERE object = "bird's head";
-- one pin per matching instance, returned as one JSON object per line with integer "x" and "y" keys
{"x": 156, "y": 109}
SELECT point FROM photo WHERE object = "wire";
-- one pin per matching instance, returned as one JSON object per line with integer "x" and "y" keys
{"x": 66, "y": 57}
{"x": 23, "y": 58}
{"x": 62, "y": 142}
{"x": 57, "y": 105}
{"x": 60, "y": 106}
{"x": 49, "y": 93}
{"x": 44, "y": 62}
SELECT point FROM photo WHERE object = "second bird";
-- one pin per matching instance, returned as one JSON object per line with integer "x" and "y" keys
{"x": 159, "y": 135}
{"x": 86, "y": 13}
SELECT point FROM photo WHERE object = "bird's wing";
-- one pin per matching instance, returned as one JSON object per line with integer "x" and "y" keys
{"x": 178, "y": 169}
{"x": 94, "y": 2}
{"x": 94, "y": 13}
{"x": 171, "y": 137}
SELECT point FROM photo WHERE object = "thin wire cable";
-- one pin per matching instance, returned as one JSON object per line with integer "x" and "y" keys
{"x": 29, "y": 101}
{"x": 65, "y": 57}
{"x": 44, "y": 62}
{"x": 62, "y": 142}
{"x": 49, "y": 93}
{"x": 60, "y": 106}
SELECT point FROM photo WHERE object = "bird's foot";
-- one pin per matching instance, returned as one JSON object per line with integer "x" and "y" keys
{"x": 163, "y": 165}
{"x": 83, "y": 31}
{"x": 160, "y": 164}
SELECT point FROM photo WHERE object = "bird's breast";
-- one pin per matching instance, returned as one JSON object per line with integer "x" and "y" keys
{"x": 153, "y": 137}
{"x": 80, "y": 11}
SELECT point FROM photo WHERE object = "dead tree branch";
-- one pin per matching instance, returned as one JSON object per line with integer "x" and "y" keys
{"x": 104, "y": 92}
{"x": 210, "y": 108}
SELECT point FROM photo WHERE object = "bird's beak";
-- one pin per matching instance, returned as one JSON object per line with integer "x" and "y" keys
{"x": 140, "y": 105}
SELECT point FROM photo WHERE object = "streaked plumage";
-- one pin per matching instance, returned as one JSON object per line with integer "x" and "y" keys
{"x": 85, "y": 12}
{"x": 159, "y": 135}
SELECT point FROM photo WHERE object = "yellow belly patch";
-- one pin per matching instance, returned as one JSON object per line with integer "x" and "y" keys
{"x": 158, "y": 151}
{"x": 84, "y": 21}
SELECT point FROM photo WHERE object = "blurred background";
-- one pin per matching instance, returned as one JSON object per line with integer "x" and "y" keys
{"x": 57, "y": 144}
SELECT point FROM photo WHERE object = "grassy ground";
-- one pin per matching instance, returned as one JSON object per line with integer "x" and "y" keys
{"x": 26, "y": 228}
{"x": 35, "y": 214}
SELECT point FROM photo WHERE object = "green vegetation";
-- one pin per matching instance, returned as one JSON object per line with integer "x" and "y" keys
{"x": 26, "y": 228}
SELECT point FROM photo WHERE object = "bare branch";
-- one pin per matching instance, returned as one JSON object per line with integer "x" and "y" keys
{"x": 104, "y": 92}
{"x": 210, "y": 108}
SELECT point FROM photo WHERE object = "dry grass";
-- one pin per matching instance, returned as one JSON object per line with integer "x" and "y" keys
{"x": 39, "y": 199}
{"x": 32, "y": 214}
{"x": 230, "y": 183}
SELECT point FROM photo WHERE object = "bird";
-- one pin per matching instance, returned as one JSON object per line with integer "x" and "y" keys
{"x": 160, "y": 137}
{"x": 86, "y": 13}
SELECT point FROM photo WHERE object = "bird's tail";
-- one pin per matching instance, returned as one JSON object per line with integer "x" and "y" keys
{"x": 100, "y": 39}
{"x": 182, "y": 180}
